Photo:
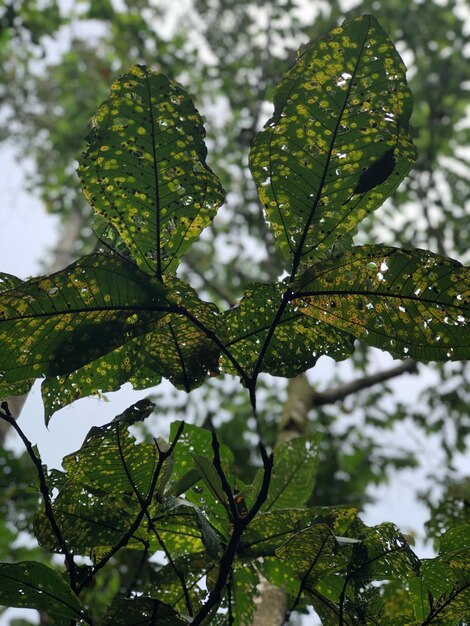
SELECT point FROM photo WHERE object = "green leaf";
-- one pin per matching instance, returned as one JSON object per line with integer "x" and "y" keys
{"x": 139, "y": 611}
{"x": 54, "y": 325}
{"x": 297, "y": 343}
{"x": 209, "y": 537}
{"x": 198, "y": 441}
{"x": 269, "y": 530}
{"x": 33, "y": 585}
{"x": 145, "y": 172}
{"x": 382, "y": 554}
{"x": 441, "y": 594}
{"x": 209, "y": 475}
{"x": 243, "y": 586}
{"x": 176, "y": 583}
{"x": 409, "y": 302}
{"x": 293, "y": 475}
{"x": 100, "y": 323}
{"x": 178, "y": 525}
{"x": 313, "y": 552}
{"x": 110, "y": 461}
{"x": 184, "y": 483}
{"x": 340, "y": 124}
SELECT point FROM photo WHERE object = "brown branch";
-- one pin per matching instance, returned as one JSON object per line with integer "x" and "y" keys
{"x": 320, "y": 398}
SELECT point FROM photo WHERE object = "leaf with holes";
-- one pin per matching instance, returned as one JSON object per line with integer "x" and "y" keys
{"x": 298, "y": 340}
{"x": 175, "y": 348}
{"x": 338, "y": 143}
{"x": 408, "y": 302}
{"x": 441, "y": 592}
{"x": 132, "y": 612}
{"x": 145, "y": 171}
{"x": 110, "y": 321}
{"x": 196, "y": 443}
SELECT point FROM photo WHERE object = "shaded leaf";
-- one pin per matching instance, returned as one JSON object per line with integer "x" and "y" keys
{"x": 145, "y": 172}
{"x": 196, "y": 440}
{"x": 313, "y": 552}
{"x": 382, "y": 554}
{"x": 293, "y": 475}
{"x": 269, "y": 530}
{"x": 110, "y": 461}
{"x": 408, "y": 302}
{"x": 179, "y": 527}
{"x": 243, "y": 587}
{"x": 176, "y": 583}
{"x": 209, "y": 475}
{"x": 441, "y": 594}
{"x": 33, "y": 585}
{"x": 54, "y": 325}
{"x": 338, "y": 142}
{"x": 184, "y": 483}
{"x": 175, "y": 348}
{"x": 297, "y": 343}
{"x": 93, "y": 521}
{"x": 140, "y": 611}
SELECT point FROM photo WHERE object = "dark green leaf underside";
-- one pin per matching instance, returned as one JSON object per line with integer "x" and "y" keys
{"x": 145, "y": 172}
{"x": 33, "y": 585}
{"x": 341, "y": 108}
{"x": 408, "y": 302}
{"x": 297, "y": 343}
{"x": 175, "y": 348}
{"x": 53, "y": 325}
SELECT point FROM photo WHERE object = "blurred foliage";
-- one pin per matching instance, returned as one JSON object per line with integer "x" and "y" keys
{"x": 57, "y": 63}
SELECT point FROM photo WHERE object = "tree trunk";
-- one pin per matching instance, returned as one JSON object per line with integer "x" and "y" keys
{"x": 271, "y": 602}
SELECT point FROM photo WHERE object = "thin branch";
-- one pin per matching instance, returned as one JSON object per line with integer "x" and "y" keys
{"x": 8, "y": 417}
{"x": 239, "y": 526}
{"x": 340, "y": 393}
{"x": 135, "y": 525}
{"x": 217, "y": 463}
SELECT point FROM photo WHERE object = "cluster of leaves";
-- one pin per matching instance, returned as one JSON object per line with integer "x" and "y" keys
{"x": 337, "y": 146}
{"x": 183, "y": 500}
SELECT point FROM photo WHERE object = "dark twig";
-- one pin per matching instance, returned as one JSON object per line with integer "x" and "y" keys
{"x": 163, "y": 455}
{"x": 143, "y": 506}
{"x": 72, "y": 570}
{"x": 240, "y": 523}
{"x": 221, "y": 474}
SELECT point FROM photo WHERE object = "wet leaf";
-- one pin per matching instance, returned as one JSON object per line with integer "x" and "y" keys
{"x": 198, "y": 441}
{"x": 270, "y": 530}
{"x": 441, "y": 593}
{"x": 312, "y": 552}
{"x": 53, "y": 325}
{"x": 408, "y": 302}
{"x": 145, "y": 170}
{"x": 139, "y": 611}
{"x": 338, "y": 142}
{"x": 382, "y": 554}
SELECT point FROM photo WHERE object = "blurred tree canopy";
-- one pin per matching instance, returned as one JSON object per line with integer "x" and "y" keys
{"x": 58, "y": 61}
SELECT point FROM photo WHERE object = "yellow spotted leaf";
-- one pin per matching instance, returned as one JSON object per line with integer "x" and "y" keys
{"x": 411, "y": 303}
{"x": 99, "y": 323}
{"x": 298, "y": 340}
{"x": 144, "y": 172}
{"x": 338, "y": 143}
